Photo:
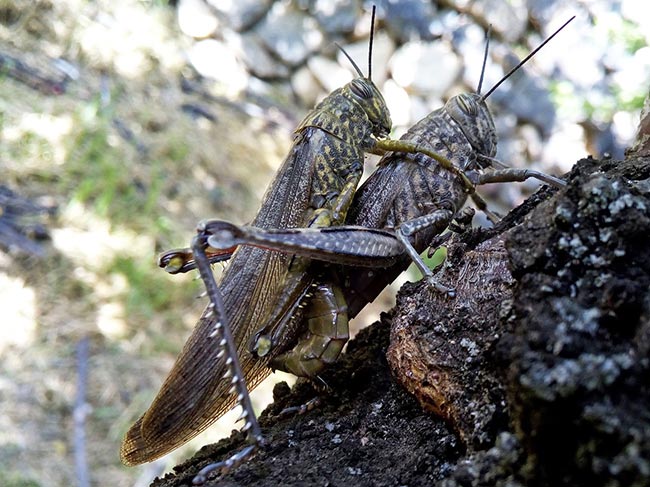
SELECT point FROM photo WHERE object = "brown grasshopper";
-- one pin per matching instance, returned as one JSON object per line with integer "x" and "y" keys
{"x": 407, "y": 202}
{"x": 262, "y": 288}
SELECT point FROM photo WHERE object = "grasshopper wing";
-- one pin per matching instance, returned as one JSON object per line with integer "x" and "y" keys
{"x": 195, "y": 393}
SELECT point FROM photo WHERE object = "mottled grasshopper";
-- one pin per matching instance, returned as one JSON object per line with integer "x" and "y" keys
{"x": 406, "y": 203}
{"x": 262, "y": 288}
{"x": 396, "y": 213}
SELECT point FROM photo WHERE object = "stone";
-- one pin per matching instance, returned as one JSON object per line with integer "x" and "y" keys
{"x": 527, "y": 97}
{"x": 291, "y": 34}
{"x": 216, "y": 60}
{"x": 336, "y": 16}
{"x": 469, "y": 43}
{"x": 330, "y": 74}
{"x": 398, "y": 102}
{"x": 407, "y": 20}
{"x": 509, "y": 19}
{"x": 196, "y": 19}
{"x": 242, "y": 14}
{"x": 565, "y": 145}
{"x": 258, "y": 60}
{"x": 272, "y": 101}
{"x": 421, "y": 106}
{"x": 425, "y": 67}
{"x": 306, "y": 86}
{"x": 382, "y": 50}
{"x": 446, "y": 23}
{"x": 543, "y": 10}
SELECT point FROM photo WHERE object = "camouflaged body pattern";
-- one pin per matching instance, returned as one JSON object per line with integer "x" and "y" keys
{"x": 408, "y": 186}
{"x": 325, "y": 161}
{"x": 422, "y": 185}
{"x": 347, "y": 128}
{"x": 338, "y": 131}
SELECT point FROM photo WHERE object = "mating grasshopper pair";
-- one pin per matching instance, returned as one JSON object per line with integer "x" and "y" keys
{"x": 283, "y": 308}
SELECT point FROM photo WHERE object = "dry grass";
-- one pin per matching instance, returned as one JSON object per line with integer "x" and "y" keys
{"x": 121, "y": 200}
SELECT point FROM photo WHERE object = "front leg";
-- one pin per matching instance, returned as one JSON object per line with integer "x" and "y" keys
{"x": 383, "y": 146}
{"x": 388, "y": 145}
{"x": 510, "y": 175}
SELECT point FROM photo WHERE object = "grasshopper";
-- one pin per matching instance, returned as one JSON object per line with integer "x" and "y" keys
{"x": 313, "y": 188}
{"x": 409, "y": 201}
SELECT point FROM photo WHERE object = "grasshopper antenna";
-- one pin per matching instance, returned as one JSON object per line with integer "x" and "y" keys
{"x": 372, "y": 36}
{"x": 350, "y": 59}
{"x": 525, "y": 60}
{"x": 485, "y": 55}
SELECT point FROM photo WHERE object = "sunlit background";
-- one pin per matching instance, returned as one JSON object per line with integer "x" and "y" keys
{"x": 135, "y": 120}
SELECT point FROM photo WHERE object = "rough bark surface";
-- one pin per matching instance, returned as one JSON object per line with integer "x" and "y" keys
{"x": 536, "y": 374}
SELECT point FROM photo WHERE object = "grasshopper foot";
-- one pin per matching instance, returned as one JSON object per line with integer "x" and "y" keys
{"x": 433, "y": 283}
{"x": 176, "y": 260}
{"x": 299, "y": 410}
{"x": 228, "y": 464}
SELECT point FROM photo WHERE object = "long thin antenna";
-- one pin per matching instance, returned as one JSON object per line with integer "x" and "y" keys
{"x": 485, "y": 55}
{"x": 523, "y": 61}
{"x": 350, "y": 59}
{"x": 372, "y": 35}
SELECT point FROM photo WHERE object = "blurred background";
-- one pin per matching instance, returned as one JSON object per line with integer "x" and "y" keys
{"x": 122, "y": 124}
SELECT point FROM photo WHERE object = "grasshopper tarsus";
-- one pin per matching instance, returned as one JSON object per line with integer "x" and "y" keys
{"x": 301, "y": 409}
{"x": 435, "y": 286}
{"x": 440, "y": 217}
{"x": 180, "y": 261}
{"x": 227, "y": 465}
{"x": 175, "y": 261}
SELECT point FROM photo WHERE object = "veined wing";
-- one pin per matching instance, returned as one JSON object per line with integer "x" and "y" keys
{"x": 195, "y": 394}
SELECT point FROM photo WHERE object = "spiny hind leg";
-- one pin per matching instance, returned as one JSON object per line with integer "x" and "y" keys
{"x": 326, "y": 332}
{"x": 225, "y": 341}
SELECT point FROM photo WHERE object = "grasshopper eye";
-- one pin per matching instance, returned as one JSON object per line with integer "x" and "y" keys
{"x": 468, "y": 105}
{"x": 360, "y": 88}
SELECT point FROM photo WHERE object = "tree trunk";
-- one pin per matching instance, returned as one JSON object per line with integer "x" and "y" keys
{"x": 537, "y": 373}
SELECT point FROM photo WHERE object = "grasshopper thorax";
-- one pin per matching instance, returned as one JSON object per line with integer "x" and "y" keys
{"x": 474, "y": 119}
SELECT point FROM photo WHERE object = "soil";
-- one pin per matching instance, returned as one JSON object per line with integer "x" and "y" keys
{"x": 536, "y": 374}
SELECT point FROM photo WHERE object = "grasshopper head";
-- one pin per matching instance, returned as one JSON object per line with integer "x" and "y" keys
{"x": 472, "y": 115}
{"x": 365, "y": 94}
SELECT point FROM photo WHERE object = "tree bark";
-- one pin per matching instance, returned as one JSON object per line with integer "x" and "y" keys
{"x": 537, "y": 373}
